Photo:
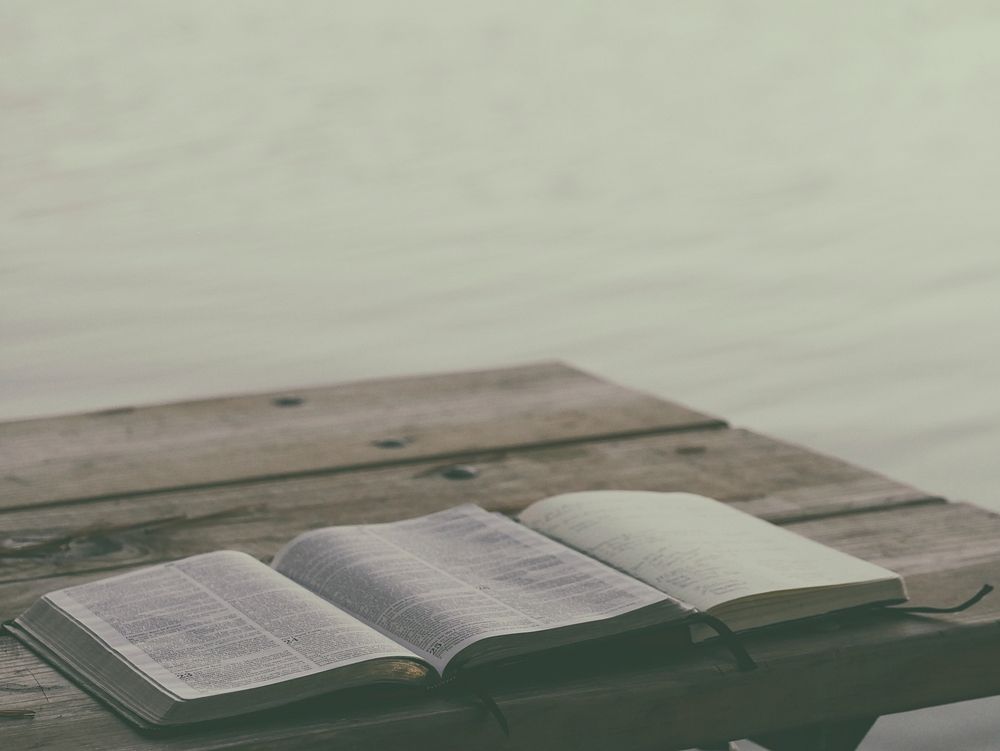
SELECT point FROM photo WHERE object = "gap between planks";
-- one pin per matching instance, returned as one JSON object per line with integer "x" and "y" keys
{"x": 449, "y": 456}
{"x": 780, "y": 482}
{"x": 874, "y": 662}
{"x": 192, "y": 444}
{"x": 84, "y": 534}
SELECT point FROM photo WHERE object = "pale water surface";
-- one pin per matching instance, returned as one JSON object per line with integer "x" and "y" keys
{"x": 782, "y": 213}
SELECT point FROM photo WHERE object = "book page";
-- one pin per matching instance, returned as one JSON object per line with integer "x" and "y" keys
{"x": 219, "y": 622}
{"x": 441, "y": 582}
{"x": 695, "y": 548}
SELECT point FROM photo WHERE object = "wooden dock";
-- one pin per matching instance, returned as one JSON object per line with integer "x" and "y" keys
{"x": 85, "y": 496}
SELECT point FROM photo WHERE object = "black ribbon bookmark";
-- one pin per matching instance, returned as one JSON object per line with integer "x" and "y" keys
{"x": 731, "y": 641}
{"x": 487, "y": 701}
{"x": 476, "y": 690}
{"x": 983, "y": 591}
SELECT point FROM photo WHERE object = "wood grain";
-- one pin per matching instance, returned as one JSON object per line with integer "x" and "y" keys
{"x": 40, "y": 547}
{"x": 115, "y": 491}
{"x": 321, "y": 429}
{"x": 874, "y": 662}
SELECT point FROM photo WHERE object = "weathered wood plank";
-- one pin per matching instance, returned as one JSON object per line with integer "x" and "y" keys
{"x": 872, "y": 662}
{"x": 777, "y": 481}
{"x": 915, "y": 540}
{"x": 924, "y": 540}
{"x": 357, "y": 424}
{"x": 175, "y": 480}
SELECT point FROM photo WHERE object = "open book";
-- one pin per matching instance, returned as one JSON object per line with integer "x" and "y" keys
{"x": 418, "y": 600}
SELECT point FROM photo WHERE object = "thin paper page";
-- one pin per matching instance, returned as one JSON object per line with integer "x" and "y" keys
{"x": 220, "y": 622}
{"x": 441, "y": 582}
{"x": 694, "y": 548}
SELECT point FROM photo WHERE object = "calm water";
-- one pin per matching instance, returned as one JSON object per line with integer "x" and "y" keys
{"x": 783, "y": 215}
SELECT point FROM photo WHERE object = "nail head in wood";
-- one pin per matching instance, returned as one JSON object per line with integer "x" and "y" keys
{"x": 391, "y": 443}
{"x": 460, "y": 472}
{"x": 17, "y": 714}
{"x": 690, "y": 450}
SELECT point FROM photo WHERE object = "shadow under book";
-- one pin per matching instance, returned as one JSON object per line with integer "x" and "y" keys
{"x": 433, "y": 600}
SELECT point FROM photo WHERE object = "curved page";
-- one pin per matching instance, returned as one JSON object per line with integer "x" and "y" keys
{"x": 698, "y": 549}
{"x": 220, "y": 622}
{"x": 441, "y": 582}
